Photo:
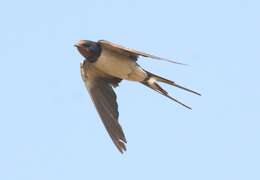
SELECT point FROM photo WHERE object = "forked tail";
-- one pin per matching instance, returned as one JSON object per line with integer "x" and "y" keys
{"x": 150, "y": 82}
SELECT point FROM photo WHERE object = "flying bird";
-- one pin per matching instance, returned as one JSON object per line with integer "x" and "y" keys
{"x": 105, "y": 65}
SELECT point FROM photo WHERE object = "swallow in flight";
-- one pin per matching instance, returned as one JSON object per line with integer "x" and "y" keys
{"x": 105, "y": 65}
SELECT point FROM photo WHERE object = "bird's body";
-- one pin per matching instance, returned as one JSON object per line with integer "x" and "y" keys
{"x": 107, "y": 64}
{"x": 119, "y": 65}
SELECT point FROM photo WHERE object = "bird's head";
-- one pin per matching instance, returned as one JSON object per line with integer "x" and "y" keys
{"x": 89, "y": 49}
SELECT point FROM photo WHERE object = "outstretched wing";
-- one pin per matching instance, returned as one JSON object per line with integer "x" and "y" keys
{"x": 131, "y": 52}
{"x": 104, "y": 98}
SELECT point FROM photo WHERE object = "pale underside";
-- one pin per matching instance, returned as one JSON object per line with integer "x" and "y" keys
{"x": 120, "y": 66}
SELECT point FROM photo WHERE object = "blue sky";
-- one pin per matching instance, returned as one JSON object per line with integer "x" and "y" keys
{"x": 49, "y": 128}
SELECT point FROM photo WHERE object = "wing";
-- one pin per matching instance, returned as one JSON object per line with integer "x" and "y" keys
{"x": 131, "y": 52}
{"x": 104, "y": 98}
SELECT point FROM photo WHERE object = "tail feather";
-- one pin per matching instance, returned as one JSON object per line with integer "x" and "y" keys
{"x": 161, "y": 79}
{"x": 151, "y": 83}
{"x": 160, "y": 90}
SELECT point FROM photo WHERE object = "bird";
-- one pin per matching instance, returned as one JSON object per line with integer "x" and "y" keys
{"x": 104, "y": 66}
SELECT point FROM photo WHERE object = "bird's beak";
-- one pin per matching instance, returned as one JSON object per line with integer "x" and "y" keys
{"x": 76, "y": 45}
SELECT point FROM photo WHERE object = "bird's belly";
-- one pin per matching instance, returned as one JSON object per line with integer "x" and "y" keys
{"x": 119, "y": 66}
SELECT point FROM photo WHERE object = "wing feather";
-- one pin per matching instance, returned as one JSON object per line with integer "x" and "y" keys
{"x": 132, "y": 52}
{"x": 104, "y": 99}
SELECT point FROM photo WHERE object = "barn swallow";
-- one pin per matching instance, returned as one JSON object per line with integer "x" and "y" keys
{"x": 106, "y": 64}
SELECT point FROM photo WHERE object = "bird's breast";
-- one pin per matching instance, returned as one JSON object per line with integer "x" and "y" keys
{"x": 119, "y": 65}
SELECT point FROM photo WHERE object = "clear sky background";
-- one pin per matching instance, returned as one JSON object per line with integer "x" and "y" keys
{"x": 49, "y": 128}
